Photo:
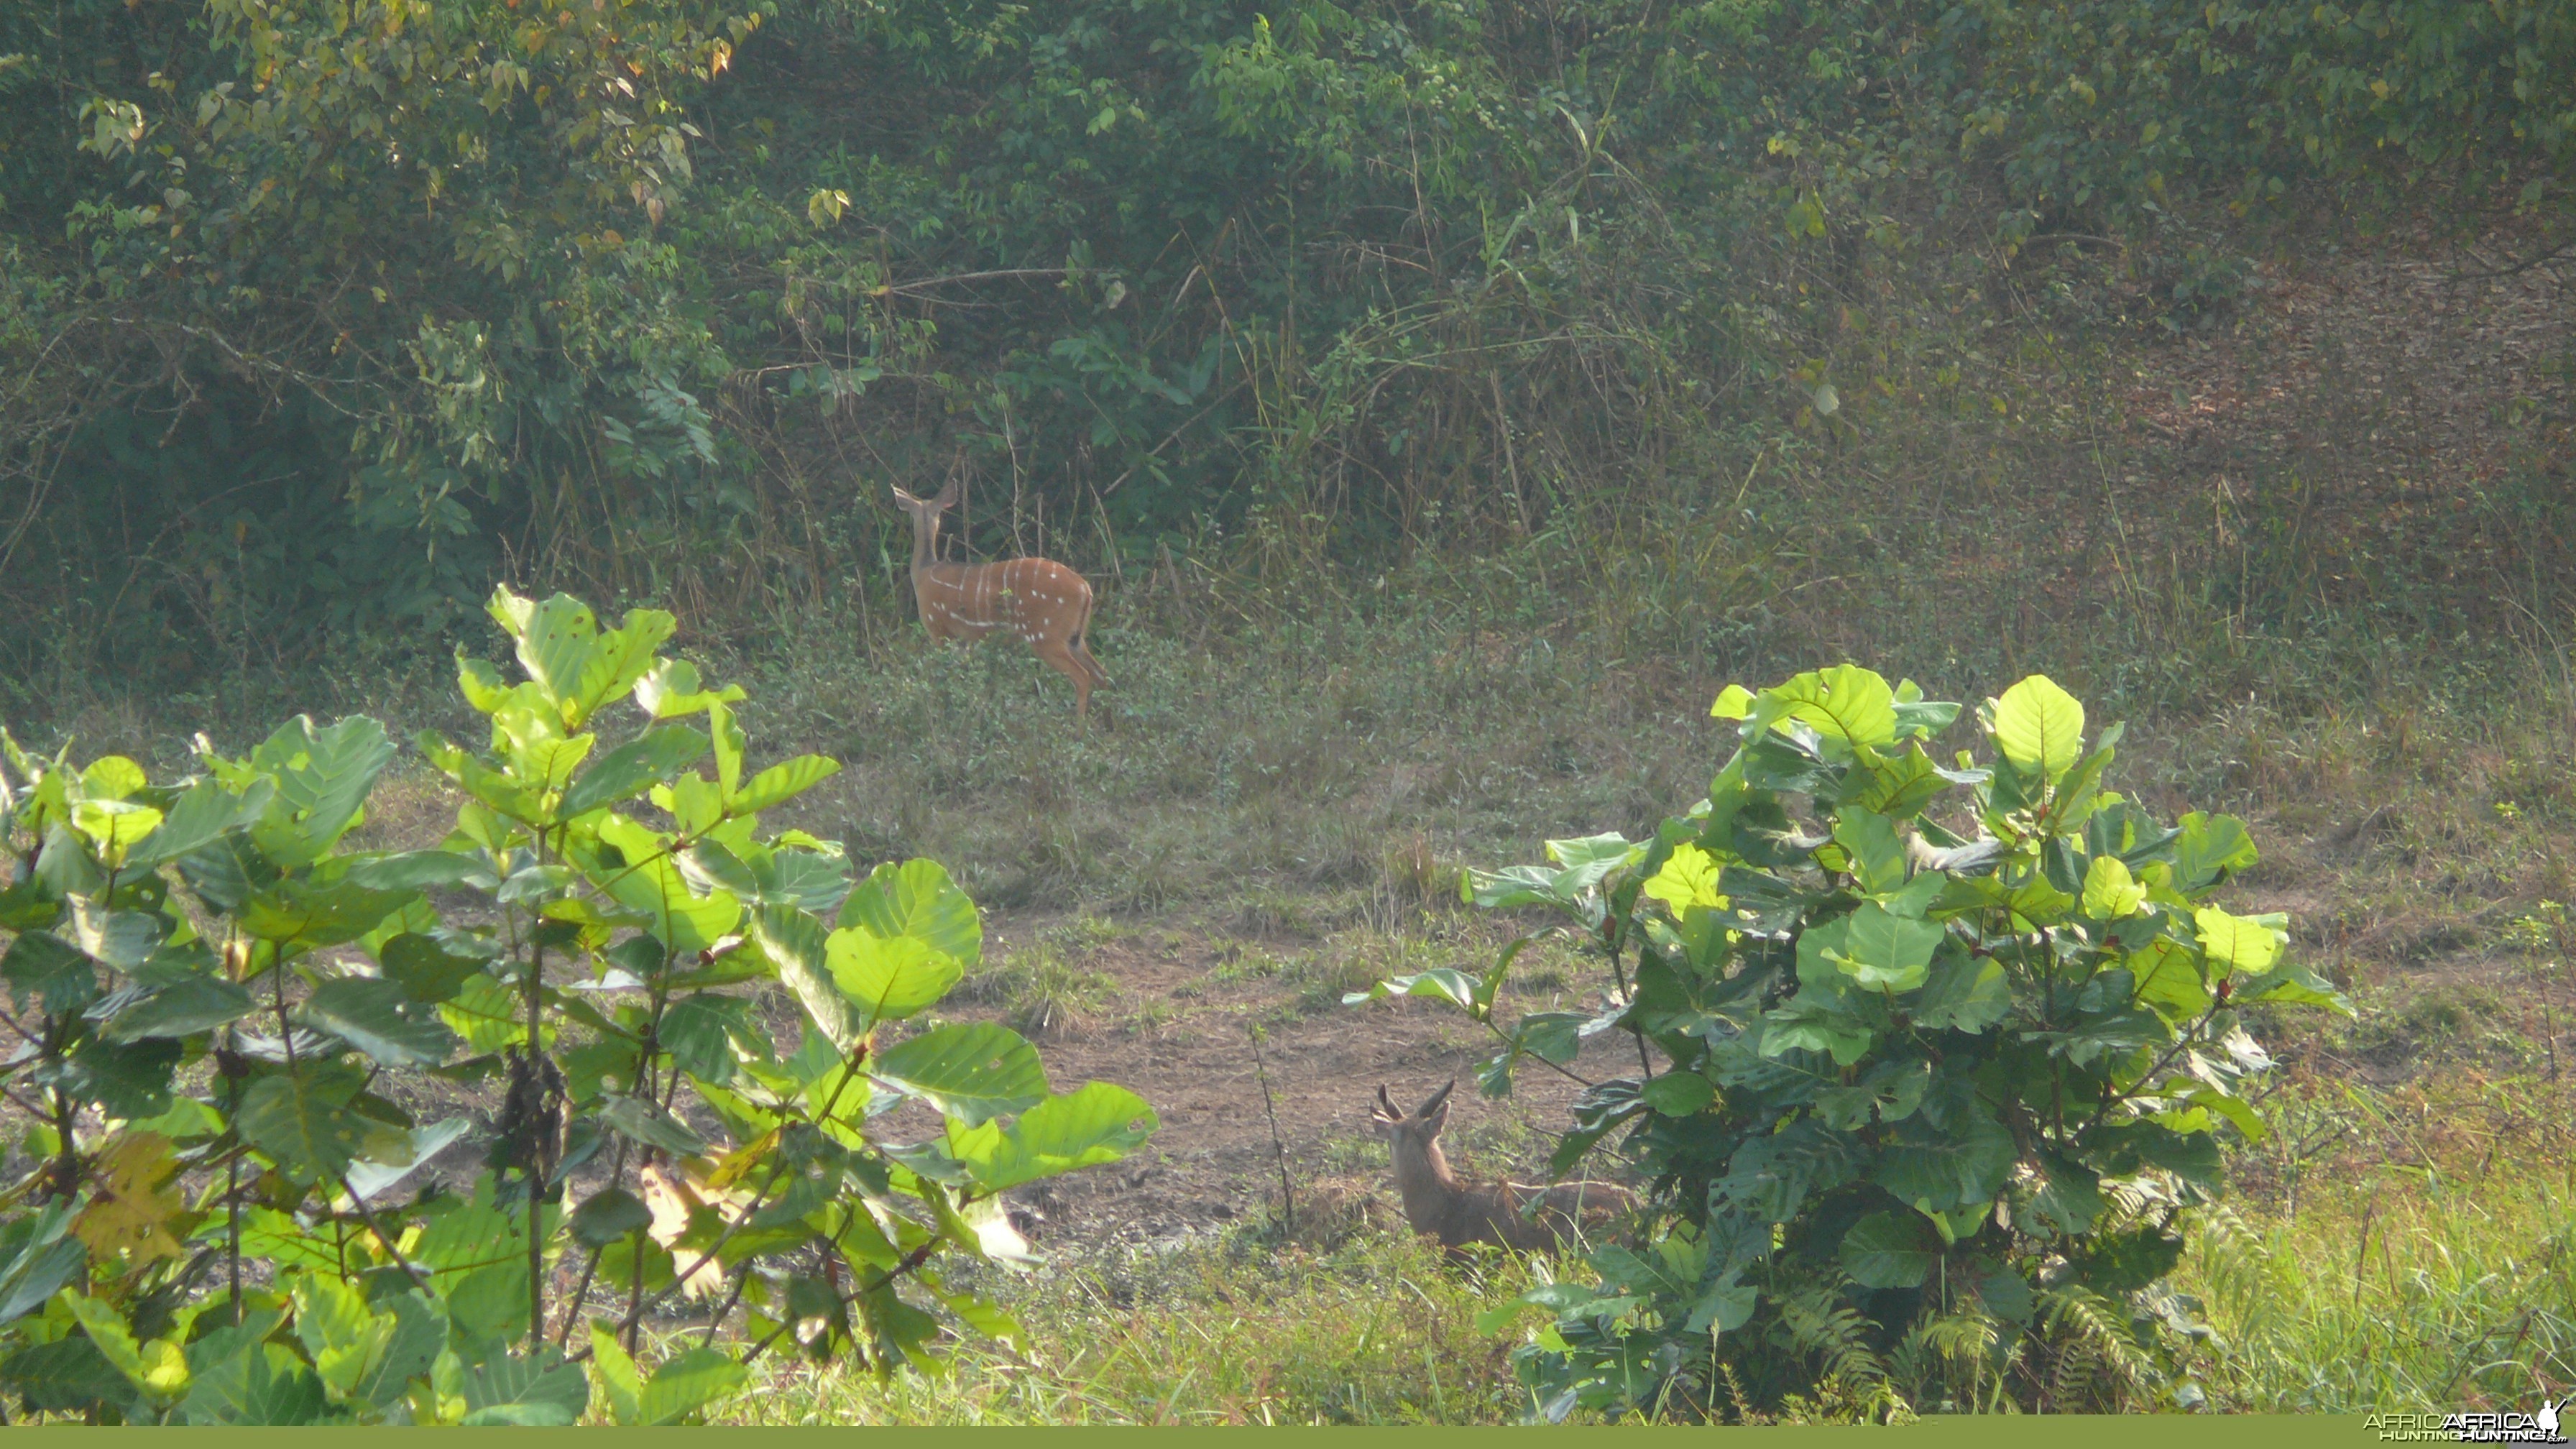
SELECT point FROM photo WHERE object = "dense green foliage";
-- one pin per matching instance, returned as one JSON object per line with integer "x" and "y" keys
{"x": 329, "y": 310}
{"x": 216, "y": 1010}
{"x": 1931, "y": 1105}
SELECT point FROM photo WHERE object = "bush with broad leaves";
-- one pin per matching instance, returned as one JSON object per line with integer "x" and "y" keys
{"x": 1937, "y": 1057}
{"x": 219, "y": 1212}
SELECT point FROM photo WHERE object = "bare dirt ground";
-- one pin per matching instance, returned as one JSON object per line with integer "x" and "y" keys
{"x": 1213, "y": 1161}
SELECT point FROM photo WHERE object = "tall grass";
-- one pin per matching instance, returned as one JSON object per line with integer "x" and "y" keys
{"x": 2438, "y": 1276}
{"x": 1247, "y": 1331}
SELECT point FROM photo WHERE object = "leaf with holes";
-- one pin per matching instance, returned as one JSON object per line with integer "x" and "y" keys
{"x": 132, "y": 1204}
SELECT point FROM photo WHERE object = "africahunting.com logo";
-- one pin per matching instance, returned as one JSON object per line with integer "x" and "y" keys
{"x": 2541, "y": 1426}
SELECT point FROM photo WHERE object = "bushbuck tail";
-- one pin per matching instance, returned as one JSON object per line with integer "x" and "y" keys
{"x": 1506, "y": 1214}
{"x": 1045, "y": 604}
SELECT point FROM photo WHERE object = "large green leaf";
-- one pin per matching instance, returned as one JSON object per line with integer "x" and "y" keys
{"x": 380, "y": 1019}
{"x": 126, "y": 1079}
{"x": 671, "y": 687}
{"x": 917, "y": 899}
{"x": 578, "y": 665}
{"x": 1888, "y": 1250}
{"x": 419, "y": 1335}
{"x": 369, "y": 1180}
{"x": 2293, "y": 984}
{"x": 236, "y": 1379}
{"x": 1845, "y": 703}
{"x": 2167, "y": 977}
{"x": 1883, "y": 951}
{"x": 2249, "y": 944}
{"x": 1440, "y": 983}
{"x": 1962, "y": 992}
{"x": 202, "y": 813}
{"x": 816, "y": 880}
{"x": 646, "y": 1122}
{"x": 432, "y": 966}
{"x": 889, "y": 978}
{"x": 1875, "y": 857}
{"x": 37, "y": 1256}
{"x": 539, "y": 1392}
{"x": 608, "y": 1215}
{"x": 682, "y": 1386}
{"x": 40, "y": 963}
{"x": 66, "y": 1375}
{"x": 1941, "y": 1171}
{"x": 181, "y": 1009}
{"x": 645, "y": 880}
{"x": 795, "y": 943}
{"x": 782, "y": 782}
{"x": 699, "y": 1031}
{"x": 300, "y": 915}
{"x": 122, "y": 939}
{"x": 632, "y": 768}
{"x": 2209, "y": 848}
{"x": 972, "y": 1071}
{"x": 2039, "y": 727}
{"x": 1100, "y": 1123}
{"x": 412, "y": 870}
{"x": 300, "y": 1119}
{"x": 114, "y": 826}
{"x": 2110, "y": 892}
{"x": 323, "y": 777}
{"x": 1772, "y": 1176}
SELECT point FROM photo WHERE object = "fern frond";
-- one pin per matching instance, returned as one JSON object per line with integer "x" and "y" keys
{"x": 2094, "y": 1348}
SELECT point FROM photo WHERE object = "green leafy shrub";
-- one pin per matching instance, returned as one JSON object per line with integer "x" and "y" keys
{"x": 216, "y": 1007}
{"x": 1924, "y": 1105}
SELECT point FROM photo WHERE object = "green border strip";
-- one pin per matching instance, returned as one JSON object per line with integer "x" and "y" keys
{"x": 2049, "y": 1431}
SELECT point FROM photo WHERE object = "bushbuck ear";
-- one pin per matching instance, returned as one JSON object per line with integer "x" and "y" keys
{"x": 906, "y": 499}
{"x": 1436, "y": 1100}
{"x": 948, "y": 495}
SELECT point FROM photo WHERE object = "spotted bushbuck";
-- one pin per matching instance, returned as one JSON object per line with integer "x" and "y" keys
{"x": 1046, "y": 605}
{"x": 1509, "y": 1214}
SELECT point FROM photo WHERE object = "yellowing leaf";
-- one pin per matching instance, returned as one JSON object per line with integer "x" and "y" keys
{"x": 134, "y": 1204}
{"x": 2241, "y": 943}
{"x": 1733, "y": 702}
{"x": 1688, "y": 878}
{"x": 115, "y": 825}
{"x": 675, "y": 1202}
